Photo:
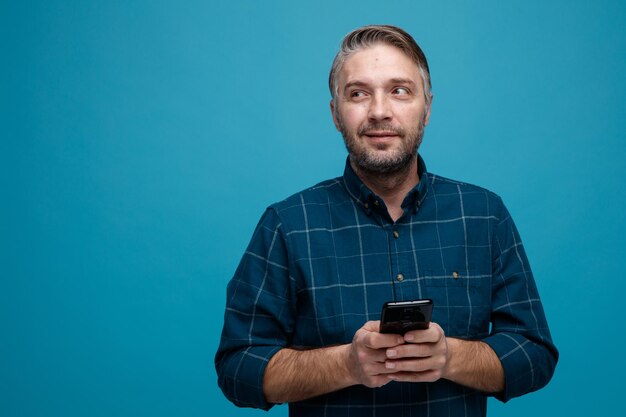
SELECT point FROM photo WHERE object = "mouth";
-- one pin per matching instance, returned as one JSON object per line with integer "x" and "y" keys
{"x": 380, "y": 133}
{"x": 380, "y": 136}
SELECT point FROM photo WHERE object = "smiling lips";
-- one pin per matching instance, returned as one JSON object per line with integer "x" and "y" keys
{"x": 380, "y": 137}
{"x": 380, "y": 132}
{"x": 385, "y": 134}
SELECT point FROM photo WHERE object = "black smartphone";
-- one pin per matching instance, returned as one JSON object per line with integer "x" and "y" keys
{"x": 400, "y": 317}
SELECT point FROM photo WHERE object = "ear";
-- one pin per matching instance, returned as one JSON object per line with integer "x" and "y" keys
{"x": 427, "y": 114}
{"x": 334, "y": 114}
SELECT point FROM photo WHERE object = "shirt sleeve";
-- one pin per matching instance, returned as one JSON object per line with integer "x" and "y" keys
{"x": 519, "y": 335}
{"x": 259, "y": 315}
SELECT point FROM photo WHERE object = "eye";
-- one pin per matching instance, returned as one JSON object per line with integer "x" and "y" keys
{"x": 357, "y": 94}
{"x": 401, "y": 91}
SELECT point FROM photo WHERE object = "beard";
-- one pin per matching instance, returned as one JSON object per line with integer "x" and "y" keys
{"x": 375, "y": 161}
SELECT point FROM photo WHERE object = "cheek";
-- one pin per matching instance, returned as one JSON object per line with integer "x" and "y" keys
{"x": 354, "y": 116}
{"x": 411, "y": 117}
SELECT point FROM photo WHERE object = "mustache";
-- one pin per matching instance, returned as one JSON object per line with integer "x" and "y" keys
{"x": 380, "y": 127}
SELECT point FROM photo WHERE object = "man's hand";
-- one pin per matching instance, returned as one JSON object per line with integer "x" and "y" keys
{"x": 374, "y": 359}
{"x": 422, "y": 357}
{"x": 295, "y": 375}
{"x": 428, "y": 355}
{"x": 368, "y": 355}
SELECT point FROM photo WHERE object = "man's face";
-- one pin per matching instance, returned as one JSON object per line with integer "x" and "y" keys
{"x": 380, "y": 109}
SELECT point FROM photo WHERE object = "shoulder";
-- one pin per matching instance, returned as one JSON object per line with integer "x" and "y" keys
{"x": 301, "y": 208}
{"x": 441, "y": 184}
{"x": 322, "y": 193}
{"x": 471, "y": 197}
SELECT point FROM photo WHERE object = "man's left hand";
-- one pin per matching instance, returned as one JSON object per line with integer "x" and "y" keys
{"x": 422, "y": 358}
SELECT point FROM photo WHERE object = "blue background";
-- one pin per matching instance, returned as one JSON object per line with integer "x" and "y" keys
{"x": 141, "y": 141}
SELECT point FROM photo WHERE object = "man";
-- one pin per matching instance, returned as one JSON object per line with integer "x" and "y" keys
{"x": 301, "y": 323}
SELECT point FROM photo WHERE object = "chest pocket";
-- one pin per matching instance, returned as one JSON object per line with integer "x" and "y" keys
{"x": 462, "y": 301}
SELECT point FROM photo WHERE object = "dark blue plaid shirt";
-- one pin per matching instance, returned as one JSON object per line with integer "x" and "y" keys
{"x": 322, "y": 262}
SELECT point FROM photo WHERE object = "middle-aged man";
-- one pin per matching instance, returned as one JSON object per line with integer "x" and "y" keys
{"x": 302, "y": 309}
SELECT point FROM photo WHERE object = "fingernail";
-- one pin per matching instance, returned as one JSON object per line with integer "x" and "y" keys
{"x": 391, "y": 353}
{"x": 390, "y": 365}
{"x": 409, "y": 337}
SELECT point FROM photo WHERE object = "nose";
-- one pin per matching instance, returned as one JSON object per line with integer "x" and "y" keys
{"x": 379, "y": 108}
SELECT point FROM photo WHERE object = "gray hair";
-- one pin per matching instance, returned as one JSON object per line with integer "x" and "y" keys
{"x": 367, "y": 36}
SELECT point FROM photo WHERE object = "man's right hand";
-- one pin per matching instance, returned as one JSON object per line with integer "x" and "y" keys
{"x": 367, "y": 355}
{"x": 295, "y": 375}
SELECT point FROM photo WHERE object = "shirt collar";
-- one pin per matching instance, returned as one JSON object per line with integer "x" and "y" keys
{"x": 367, "y": 199}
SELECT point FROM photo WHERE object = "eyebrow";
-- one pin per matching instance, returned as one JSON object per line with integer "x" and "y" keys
{"x": 406, "y": 81}
{"x": 354, "y": 84}
{"x": 357, "y": 83}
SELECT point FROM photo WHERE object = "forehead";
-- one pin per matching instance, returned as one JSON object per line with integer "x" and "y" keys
{"x": 378, "y": 63}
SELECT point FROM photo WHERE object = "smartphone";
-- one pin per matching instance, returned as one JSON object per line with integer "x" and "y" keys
{"x": 400, "y": 317}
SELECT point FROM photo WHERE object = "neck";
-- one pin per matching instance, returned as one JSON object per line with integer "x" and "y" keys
{"x": 391, "y": 187}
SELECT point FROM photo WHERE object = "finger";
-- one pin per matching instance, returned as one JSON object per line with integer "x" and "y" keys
{"x": 372, "y": 326}
{"x": 375, "y": 340}
{"x": 426, "y": 376}
{"x": 416, "y": 364}
{"x": 367, "y": 355}
{"x": 433, "y": 334}
{"x": 378, "y": 368}
{"x": 412, "y": 350}
{"x": 371, "y": 338}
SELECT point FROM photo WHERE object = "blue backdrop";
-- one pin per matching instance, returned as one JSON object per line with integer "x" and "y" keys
{"x": 142, "y": 140}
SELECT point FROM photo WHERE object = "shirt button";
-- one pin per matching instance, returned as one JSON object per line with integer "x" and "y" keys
{"x": 376, "y": 203}
{"x": 396, "y": 234}
{"x": 400, "y": 277}
{"x": 455, "y": 275}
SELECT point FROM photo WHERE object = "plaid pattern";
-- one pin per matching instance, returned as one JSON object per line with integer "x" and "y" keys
{"x": 322, "y": 262}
